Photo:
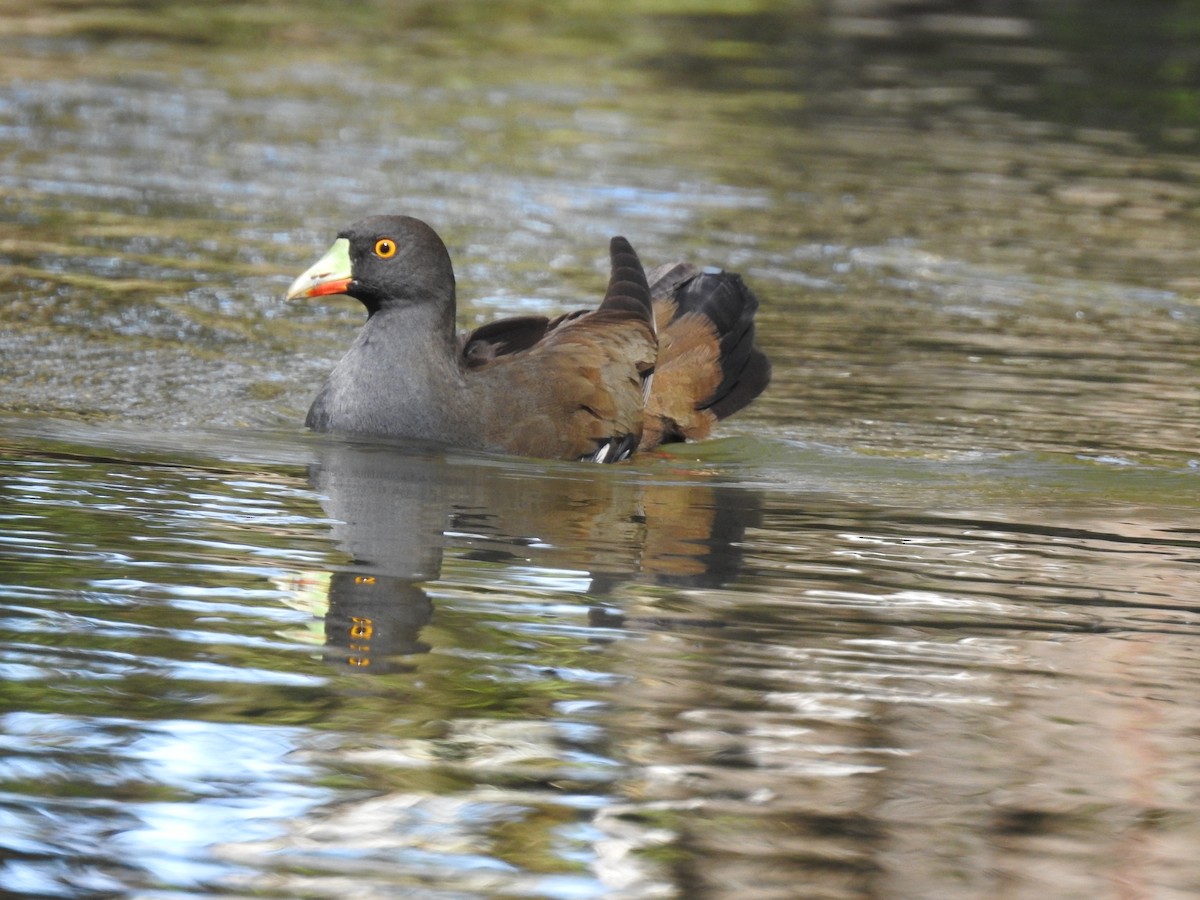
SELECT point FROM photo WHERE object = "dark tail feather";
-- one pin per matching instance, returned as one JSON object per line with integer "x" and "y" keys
{"x": 730, "y": 305}
{"x": 627, "y": 287}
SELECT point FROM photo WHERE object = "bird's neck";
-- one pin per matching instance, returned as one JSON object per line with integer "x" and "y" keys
{"x": 399, "y": 377}
{"x": 413, "y": 344}
{"x": 429, "y": 320}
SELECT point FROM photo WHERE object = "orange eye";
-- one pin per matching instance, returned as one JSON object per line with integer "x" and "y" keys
{"x": 385, "y": 248}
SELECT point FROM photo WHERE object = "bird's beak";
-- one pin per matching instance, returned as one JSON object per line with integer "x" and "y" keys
{"x": 328, "y": 275}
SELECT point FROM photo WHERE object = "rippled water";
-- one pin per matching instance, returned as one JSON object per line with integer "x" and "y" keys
{"x": 920, "y": 623}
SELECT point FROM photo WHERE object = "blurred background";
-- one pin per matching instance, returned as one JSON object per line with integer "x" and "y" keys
{"x": 921, "y": 622}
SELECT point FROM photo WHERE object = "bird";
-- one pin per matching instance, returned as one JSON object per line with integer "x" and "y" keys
{"x": 659, "y": 360}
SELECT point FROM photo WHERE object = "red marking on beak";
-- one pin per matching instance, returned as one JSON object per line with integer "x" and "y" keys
{"x": 325, "y": 288}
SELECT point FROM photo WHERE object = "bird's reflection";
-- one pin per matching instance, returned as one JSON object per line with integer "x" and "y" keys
{"x": 398, "y": 510}
{"x": 374, "y": 620}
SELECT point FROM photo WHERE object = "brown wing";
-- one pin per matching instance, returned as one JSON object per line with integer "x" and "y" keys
{"x": 506, "y": 336}
{"x": 574, "y": 387}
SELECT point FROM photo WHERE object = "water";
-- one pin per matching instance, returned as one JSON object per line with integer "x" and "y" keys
{"x": 919, "y": 623}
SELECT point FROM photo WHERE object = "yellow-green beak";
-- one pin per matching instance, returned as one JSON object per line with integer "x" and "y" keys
{"x": 328, "y": 275}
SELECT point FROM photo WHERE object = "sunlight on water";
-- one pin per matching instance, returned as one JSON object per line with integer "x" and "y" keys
{"x": 554, "y": 703}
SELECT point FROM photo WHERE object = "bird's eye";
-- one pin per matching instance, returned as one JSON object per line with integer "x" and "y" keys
{"x": 385, "y": 248}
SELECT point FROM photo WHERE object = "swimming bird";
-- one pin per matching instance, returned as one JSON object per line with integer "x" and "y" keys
{"x": 659, "y": 360}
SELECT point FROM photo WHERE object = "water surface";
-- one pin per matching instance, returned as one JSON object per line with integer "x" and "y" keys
{"x": 921, "y": 622}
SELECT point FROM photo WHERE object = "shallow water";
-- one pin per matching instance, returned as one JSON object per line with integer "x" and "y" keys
{"x": 919, "y": 623}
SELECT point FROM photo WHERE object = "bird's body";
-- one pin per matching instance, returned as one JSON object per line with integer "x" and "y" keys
{"x": 653, "y": 363}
